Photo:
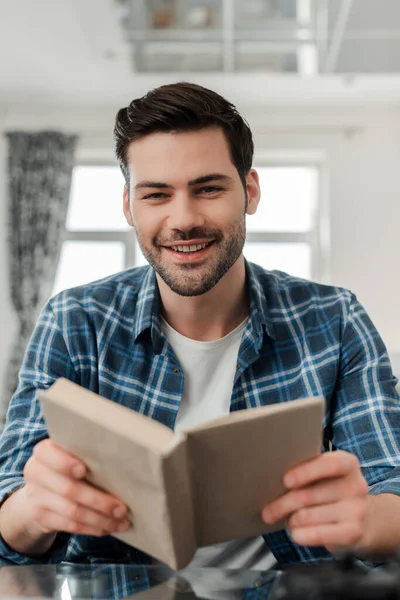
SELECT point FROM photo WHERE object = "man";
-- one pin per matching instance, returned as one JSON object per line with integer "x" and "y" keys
{"x": 196, "y": 335}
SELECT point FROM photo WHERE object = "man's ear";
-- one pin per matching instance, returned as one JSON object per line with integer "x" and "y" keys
{"x": 127, "y": 207}
{"x": 253, "y": 191}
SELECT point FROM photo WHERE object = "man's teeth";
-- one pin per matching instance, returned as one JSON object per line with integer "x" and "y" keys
{"x": 193, "y": 248}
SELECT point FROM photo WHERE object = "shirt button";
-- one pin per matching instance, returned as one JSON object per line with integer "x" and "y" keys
{"x": 237, "y": 366}
{"x": 176, "y": 371}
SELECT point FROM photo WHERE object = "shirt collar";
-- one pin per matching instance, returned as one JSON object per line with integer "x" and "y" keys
{"x": 147, "y": 317}
{"x": 147, "y": 314}
{"x": 259, "y": 313}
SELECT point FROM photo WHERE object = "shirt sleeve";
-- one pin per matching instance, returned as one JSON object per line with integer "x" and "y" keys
{"x": 46, "y": 359}
{"x": 365, "y": 412}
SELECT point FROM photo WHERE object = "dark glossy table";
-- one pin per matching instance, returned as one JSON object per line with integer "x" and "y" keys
{"x": 70, "y": 581}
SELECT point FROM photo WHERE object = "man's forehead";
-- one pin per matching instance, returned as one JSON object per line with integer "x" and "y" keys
{"x": 183, "y": 156}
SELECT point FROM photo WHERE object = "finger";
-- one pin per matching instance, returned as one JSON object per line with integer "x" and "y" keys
{"x": 326, "y": 466}
{"x": 76, "y": 491}
{"x": 45, "y": 502}
{"x": 339, "y": 535}
{"x": 56, "y": 522}
{"x": 325, "y": 492}
{"x": 59, "y": 460}
{"x": 346, "y": 510}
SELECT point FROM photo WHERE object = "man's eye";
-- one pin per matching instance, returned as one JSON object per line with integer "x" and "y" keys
{"x": 155, "y": 196}
{"x": 209, "y": 189}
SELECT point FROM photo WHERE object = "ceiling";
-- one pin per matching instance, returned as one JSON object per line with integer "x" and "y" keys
{"x": 58, "y": 52}
{"x": 303, "y": 36}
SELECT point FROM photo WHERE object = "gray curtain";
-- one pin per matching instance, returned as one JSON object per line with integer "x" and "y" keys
{"x": 39, "y": 181}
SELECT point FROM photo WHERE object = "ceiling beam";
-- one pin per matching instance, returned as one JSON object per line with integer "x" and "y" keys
{"x": 337, "y": 36}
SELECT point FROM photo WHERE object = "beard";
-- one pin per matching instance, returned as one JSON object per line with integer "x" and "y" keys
{"x": 195, "y": 279}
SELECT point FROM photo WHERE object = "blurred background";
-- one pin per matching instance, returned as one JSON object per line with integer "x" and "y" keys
{"x": 317, "y": 80}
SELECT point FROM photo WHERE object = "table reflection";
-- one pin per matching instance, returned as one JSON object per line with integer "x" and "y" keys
{"x": 71, "y": 581}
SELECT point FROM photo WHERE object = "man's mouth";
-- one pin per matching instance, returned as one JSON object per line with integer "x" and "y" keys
{"x": 191, "y": 248}
{"x": 188, "y": 251}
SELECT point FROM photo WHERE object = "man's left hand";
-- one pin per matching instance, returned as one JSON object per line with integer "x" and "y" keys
{"x": 327, "y": 502}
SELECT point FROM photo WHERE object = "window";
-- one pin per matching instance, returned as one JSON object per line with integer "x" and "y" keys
{"x": 284, "y": 234}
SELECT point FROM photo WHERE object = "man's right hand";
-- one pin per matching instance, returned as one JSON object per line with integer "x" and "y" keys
{"x": 55, "y": 498}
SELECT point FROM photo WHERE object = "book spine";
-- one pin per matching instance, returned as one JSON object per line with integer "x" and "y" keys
{"x": 179, "y": 505}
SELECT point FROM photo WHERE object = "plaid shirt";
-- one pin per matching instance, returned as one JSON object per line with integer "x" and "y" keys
{"x": 301, "y": 339}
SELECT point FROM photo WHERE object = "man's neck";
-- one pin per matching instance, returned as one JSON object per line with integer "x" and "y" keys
{"x": 212, "y": 315}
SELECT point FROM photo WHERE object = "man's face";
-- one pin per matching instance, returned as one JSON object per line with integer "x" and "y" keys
{"x": 187, "y": 204}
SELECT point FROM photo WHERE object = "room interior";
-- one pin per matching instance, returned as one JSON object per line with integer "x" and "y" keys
{"x": 318, "y": 82}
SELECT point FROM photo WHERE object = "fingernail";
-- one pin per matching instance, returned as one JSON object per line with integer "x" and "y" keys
{"x": 119, "y": 512}
{"x": 289, "y": 480}
{"x": 123, "y": 526}
{"x": 78, "y": 471}
{"x": 266, "y": 515}
{"x": 299, "y": 536}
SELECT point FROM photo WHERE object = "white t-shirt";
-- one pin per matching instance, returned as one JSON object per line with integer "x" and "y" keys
{"x": 209, "y": 371}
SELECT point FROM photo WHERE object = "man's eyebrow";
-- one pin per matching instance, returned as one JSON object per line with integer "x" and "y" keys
{"x": 203, "y": 179}
{"x": 151, "y": 184}
{"x": 212, "y": 177}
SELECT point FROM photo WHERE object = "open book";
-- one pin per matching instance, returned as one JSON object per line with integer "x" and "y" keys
{"x": 205, "y": 486}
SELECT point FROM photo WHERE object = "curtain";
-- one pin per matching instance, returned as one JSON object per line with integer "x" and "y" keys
{"x": 39, "y": 180}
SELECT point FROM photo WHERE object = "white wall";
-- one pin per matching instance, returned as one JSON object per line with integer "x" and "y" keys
{"x": 362, "y": 155}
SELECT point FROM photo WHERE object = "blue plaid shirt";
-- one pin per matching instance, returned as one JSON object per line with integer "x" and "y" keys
{"x": 301, "y": 339}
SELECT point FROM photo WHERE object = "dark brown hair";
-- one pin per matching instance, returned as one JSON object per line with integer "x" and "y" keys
{"x": 183, "y": 107}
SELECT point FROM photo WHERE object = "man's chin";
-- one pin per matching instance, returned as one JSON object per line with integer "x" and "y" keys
{"x": 189, "y": 288}
{"x": 183, "y": 284}
{"x": 189, "y": 293}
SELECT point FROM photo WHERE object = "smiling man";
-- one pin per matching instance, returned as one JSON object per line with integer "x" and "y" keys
{"x": 197, "y": 334}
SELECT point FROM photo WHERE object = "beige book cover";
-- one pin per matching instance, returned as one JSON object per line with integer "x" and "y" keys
{"x": 205, "y": 486}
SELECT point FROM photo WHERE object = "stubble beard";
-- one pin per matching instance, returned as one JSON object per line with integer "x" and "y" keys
{"x": 191, "y": 279}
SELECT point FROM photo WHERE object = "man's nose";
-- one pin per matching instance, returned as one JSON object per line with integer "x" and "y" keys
{"x": 185, "y": 213}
